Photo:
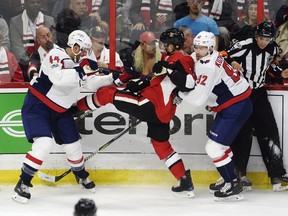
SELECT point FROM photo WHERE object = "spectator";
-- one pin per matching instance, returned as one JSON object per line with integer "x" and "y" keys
{"x": 282, "y": 36}
{"x": 23, "y": 32}
{"x": 67, "y": 21}
{"x": 9, "y": 68}
{"x": 151, "y": 15}
{"x": 102, "y": 54}
{"x": 147, "y": 53}
{"x": 198, "y": 22}
{"x": 248, "y": 22}
{"x": 45, "y": 40}
{"x": 4, "y": 30}
{"x": 99, "y": 12}
{"x": 188, "y": 39}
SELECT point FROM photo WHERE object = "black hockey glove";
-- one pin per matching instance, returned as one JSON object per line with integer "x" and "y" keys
{"x": 162, "y": 67}
{"x": 138, "y": 85}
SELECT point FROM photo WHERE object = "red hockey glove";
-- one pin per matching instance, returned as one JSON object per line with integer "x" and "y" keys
{"x": 88, "y": 65}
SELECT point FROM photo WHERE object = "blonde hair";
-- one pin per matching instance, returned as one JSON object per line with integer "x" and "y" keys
{"x": 139, "y": 58}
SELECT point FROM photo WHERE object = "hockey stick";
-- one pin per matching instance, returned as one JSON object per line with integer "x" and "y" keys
{"x": 51, "y": 178}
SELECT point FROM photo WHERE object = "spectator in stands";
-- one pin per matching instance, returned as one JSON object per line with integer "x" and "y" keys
{"x": 147, "y": 53}
{"x": 102, "y": 54}
{"x": 198, "y": 22}
{"x": 188, "y": 39}
{"x": 248, "y": 22}
{"x": 151, "y": 15}
{"x": 99, "y": 12}
{"x": 45, "y": 40}
{"x": 9, "y": 68}
{"x": 4, "y": 30}
{"x": 23, "y": 32}
{"x": 87, "y": 21}
{"x": 67, "y": 21}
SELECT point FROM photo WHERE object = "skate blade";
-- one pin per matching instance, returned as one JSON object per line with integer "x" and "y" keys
{"x": 247, "y": 188}
{"x": 278, "y": 187}
{"x": 20, "y": 199}
{"x": 236, "y": 197}
{"x": 184, "y": 194}
{"x": 92, "y": 190}
{"x": 212, "y": 191}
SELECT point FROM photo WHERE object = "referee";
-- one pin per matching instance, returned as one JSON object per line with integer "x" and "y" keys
{"x": 254, "y": 57}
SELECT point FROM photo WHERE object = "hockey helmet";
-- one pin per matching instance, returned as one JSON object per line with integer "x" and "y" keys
{"x": 204, "y": 38}
{"x": 265, "y": 29}
{"x": 173, "y": 36}
{"x": 81, "y": 38}
{"x": 85, "y": 207}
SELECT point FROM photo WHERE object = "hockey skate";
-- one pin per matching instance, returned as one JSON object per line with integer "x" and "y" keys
{"x": 246, "y": 183}
{"x": 217, "y": 185}
{"x": 22, "y": 194}
{"x": 86, "y": 183}
{"x": 230, "y": 191}
{"x": 280, "y": 183}
{"x": 185, "y": 186}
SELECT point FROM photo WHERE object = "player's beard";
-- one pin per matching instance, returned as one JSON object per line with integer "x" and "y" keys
{"x": 49, "y": 45}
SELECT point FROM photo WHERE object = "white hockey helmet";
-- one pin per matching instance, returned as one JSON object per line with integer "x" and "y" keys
{"x": 204, "y": 38}
{"x": 81, "y": 38}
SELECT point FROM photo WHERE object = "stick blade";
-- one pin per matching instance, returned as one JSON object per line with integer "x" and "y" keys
{"x": 46, "y": 177}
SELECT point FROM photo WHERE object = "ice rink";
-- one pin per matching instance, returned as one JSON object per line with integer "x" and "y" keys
{"x": 114, "y": 200}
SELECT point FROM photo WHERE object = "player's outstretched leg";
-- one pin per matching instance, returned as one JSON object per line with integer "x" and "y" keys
{"x": 22, "y": 193}
{"x": 280, "y": 183}
{"x": 230, "y": 191}
{"x": 185, "y": 186}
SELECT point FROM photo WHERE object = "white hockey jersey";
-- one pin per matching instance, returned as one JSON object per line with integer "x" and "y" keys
{"x": 58, "y": 84}
{"x": 217, "y": 84}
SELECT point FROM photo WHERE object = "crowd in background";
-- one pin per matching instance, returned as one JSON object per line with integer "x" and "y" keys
{"x": 235, "y": 20}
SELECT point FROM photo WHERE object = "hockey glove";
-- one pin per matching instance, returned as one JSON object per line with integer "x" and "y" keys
{"x": 138, "y": 85}
{"x": 176, "y": 98}
{"x": 81, "y": 73}
{"x": 127, "y": 74}
{"x": 88, "y": 65}
{"x": 163, "y": 67}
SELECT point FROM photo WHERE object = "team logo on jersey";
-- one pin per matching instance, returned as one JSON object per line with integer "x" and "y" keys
{"x": 12, "y": 125}
{"x": 205, "y": 61}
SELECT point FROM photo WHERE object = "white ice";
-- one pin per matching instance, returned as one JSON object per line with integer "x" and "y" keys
{"x": 131, "y": 200}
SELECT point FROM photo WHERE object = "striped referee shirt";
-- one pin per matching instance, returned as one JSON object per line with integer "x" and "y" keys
{"x": 255, "y": 61}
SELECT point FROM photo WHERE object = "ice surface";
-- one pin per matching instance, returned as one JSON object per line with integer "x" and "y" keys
{"x": 114, "y": 200}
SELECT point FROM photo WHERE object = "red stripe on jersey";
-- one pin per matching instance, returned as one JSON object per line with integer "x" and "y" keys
{"x": 47, "y": 101}
{"x": 232, "y": 101}
{"x": 33, "y": 159}
{"x": 76, "y": 161}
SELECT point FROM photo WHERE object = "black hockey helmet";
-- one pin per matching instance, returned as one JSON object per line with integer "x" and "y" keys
{"x": 266, "y": 29}
{"x": 85, "y": 207}
{"x": 173, "y": 36}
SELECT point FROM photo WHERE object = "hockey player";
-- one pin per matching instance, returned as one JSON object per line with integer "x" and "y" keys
{"x": 225, "y": 92}
{"x": 255, "y": 57}
{"x": 153, "y": 104}
{"x": 46, "y": 114}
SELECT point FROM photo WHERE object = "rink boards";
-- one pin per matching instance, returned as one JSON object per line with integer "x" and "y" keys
{"x": 132, "y": 153}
